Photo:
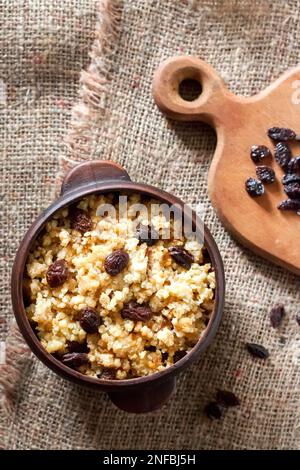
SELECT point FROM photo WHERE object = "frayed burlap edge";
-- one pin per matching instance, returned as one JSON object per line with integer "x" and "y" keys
{"x": 89, "y": 112}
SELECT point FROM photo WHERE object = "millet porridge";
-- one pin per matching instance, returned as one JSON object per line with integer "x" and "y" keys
{"x": 113, "y": 298}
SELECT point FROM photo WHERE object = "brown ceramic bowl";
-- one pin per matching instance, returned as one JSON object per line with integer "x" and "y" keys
{"x": 134, "y": 395}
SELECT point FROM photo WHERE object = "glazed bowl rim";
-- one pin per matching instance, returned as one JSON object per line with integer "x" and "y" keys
{"x": 17, "y": 286}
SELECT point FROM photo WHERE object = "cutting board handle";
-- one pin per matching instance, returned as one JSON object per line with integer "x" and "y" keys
{"x": 206, "y": 107}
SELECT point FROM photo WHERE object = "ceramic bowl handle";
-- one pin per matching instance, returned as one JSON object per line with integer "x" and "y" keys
{"x": 91, "y": 172}
{"x": 144, "y": 398}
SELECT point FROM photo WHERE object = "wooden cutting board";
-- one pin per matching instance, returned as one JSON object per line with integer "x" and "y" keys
{"x": 240, "y": 122}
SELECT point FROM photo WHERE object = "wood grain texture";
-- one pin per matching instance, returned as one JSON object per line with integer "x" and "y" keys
{"x": 240, "y": 122}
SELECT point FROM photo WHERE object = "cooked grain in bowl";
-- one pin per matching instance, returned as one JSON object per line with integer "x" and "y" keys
{"x": 113, "y": 297}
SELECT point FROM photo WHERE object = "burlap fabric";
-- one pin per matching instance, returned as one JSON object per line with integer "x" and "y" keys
{"x": 43, "y": 47}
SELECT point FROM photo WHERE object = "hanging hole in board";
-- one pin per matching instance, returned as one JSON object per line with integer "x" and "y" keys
{"x": 189, "y": 89}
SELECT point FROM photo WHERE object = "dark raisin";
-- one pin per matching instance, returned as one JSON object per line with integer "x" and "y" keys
{"x": 259, "y": 152}
{"x": 75, "y": 360}
{"x": 57, "y": 273}
{"x": 281, "y": 133}
{"x": 116, "y": 262}
{"x": 289, "y": 205}
{"x": 150, "y": 348}
{"x": 107, "y": 374}
{"x": 293, "y": 165}
{"x": 257, "y": 350}
{"x": 181, "y": 256}
{"x": 265, "y": 174}
{"x": 75, "y": 346}
{"x": 282, "y": 154}
{"x": 292, "y": 190}
{"x": 80, "y": 220}
{"x": 254, "y": 187}
{"x": 298, "y": 318}
{"x": 214, "y": 410}
{"x": 89, "y": 320}
{"x": 290, "y": 178}
{"x": 179, "y": 355}
{"x": 136, "y": 312}
{"x": 276, "y": 315}
{"x": 164, "y": 356}
{"x": 147, "y": 234}
{"x": 227, "y": 398}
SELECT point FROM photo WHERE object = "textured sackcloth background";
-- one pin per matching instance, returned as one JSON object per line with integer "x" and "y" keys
{"x": 43, "y": 47}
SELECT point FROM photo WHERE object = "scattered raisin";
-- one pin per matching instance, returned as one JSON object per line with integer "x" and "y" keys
{"x": 257, "y": 350}
{"x": 281, "y": 133}
{"x": 146, "y": 234}
{"x": 265, "y": 174}
{"x": 75, "y": 359}
{"x": 276, "y": 315}
{"x": 116, "y": 262}
{"x": 137, "y": 312}
{"x": 289, "y": 205}
{"x": 179, "y": 355}
{"x": 89, "y": 320}
{"x": 227, "y": 399}
{"x": 282, "y": 154}
{"x": 293, "y": 165}
{"x": 292, "y": 190}
{"x": 254, "y": 187}
{"x": 57, "y": 273}
{"x": 214, "y": 410}
{"x": 298, "y": 318}
{"x": 75, "y": 346}
{"x": 107, "y": 374}
{"x": 259, "y": 152}
{"x": 80, "y": 220}
{"x": 290, "y": 178}
{"x": 181, "y": 256}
